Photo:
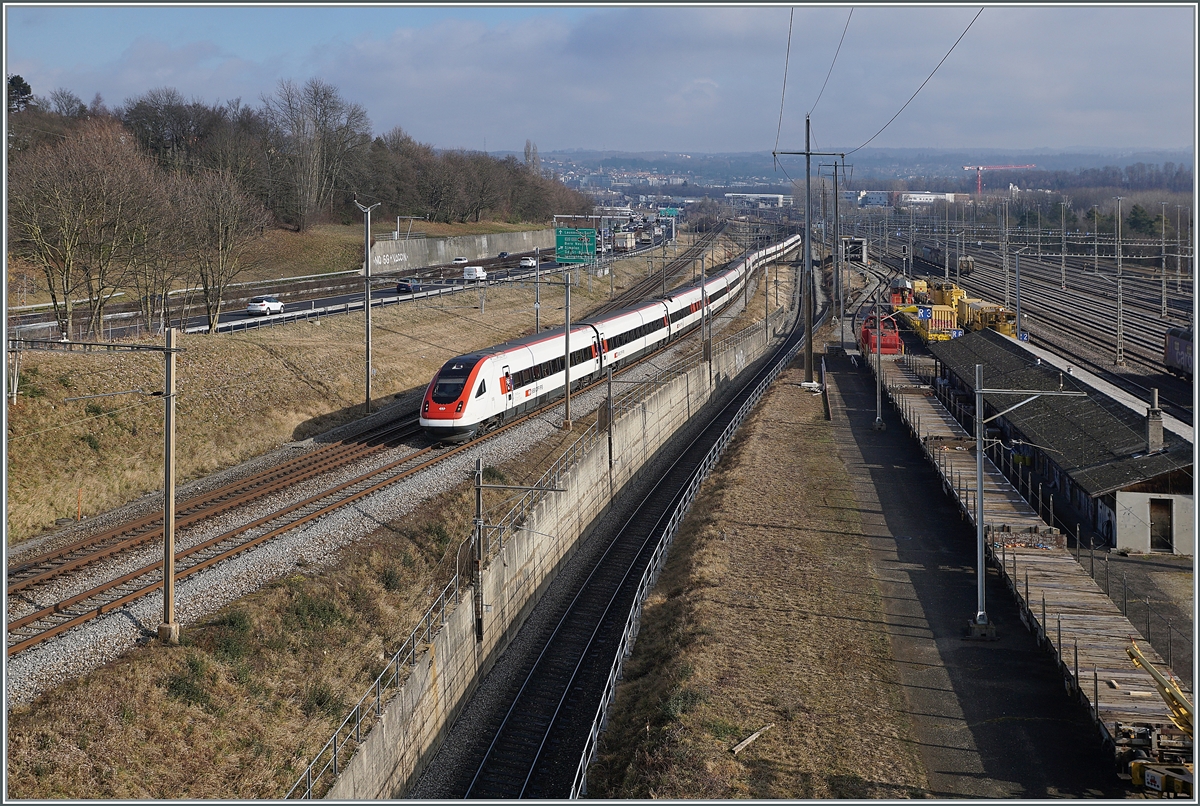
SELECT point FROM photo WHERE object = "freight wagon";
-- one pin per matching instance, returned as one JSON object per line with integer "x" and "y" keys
{"x": 1177, "y": 352}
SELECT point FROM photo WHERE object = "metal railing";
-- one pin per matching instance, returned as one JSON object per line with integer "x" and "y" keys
{"x": 336, "y": 752}
{"x": 658, "y": 560}
{"x": 333, "y": 756}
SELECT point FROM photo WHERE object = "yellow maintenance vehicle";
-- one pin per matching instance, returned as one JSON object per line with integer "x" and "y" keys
{"x": 978, "y": 314}
{"x": 1160, "y": 759}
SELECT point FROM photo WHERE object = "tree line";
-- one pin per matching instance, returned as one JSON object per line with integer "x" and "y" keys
{"x": 161, "y": 190}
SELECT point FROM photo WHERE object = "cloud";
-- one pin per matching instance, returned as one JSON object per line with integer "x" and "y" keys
{"x": 651, "y": 78}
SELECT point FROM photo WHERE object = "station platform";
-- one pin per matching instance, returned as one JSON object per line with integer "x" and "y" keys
{"x": 1059, "y": 601}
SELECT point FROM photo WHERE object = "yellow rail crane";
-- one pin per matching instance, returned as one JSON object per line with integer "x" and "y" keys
{"x": 1161, "y": 760}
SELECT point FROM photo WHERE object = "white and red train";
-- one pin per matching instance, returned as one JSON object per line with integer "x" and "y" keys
{"x": 475, "y": 392}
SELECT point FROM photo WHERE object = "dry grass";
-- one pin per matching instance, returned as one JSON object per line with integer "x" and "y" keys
{"x": 239, "y": 395}
{"x": 764, "y": 614}
{"x": 245, "y": 702}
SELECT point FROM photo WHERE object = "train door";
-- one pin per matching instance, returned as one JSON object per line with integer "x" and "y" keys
{"x": 508, "y": 390}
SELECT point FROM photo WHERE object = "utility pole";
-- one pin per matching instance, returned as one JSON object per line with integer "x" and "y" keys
{"x": 879, "y": 423}
{"x": 1004, "y": 254}
{"x": 1017, "y": 258}
{"x": 1164, "y": 260}
{"x": 567, "y": 349}
{"x": 806, "y": 273}
{"x": 946, "y": 276}
{"x": 168, "y": 631}
{"x": 367, "y": 286}
{"x": 980, "y": 627}
{"x": 1120, "y": 358}
{"x": 1064, "y": 245}
{"x": 911, "y": 266}
{"x": 1096, "y": 233}
{"x": 537, "y": 289}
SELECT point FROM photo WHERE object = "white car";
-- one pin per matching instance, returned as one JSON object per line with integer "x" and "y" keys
{"x": 528, "y": 263}
{"x": 264, "y": 306}
{"x": 459, "y": 260}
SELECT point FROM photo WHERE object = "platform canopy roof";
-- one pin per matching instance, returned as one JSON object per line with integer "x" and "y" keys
{"x": 1097, "y": 441}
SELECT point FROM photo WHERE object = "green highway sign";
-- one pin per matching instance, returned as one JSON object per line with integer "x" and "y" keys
{"x": 574, "y": 245}
{"x": 668, "y": 211}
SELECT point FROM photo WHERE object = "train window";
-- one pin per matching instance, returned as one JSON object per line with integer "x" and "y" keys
{"x": 482, "y": 388}
{"x": 451, "y": 381}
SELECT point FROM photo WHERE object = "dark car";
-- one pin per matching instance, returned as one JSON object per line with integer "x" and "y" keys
{"x": 502, "y": 255}
{"x": 404, "y": 288}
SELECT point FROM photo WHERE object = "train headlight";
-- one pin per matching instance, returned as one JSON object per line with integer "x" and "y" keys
{"x": 458, "y": 408}
{"x": 425, "y": 408}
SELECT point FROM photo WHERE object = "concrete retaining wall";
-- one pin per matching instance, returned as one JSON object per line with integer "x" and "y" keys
{"x": 417, "y": 718}
{"x": 421, "y": 252}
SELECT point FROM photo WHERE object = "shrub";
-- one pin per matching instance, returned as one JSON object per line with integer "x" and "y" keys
{"x": 494, "y": 475}
{"x": 91, "y": 441}
{"x": 188, "y": 686}
{"x": 319, "y": 696}
{"x": 680, "y": 702}
{"x": 311, "y": 613}
{"x": 390, "y": 578}
{"x": 232, "y": 631}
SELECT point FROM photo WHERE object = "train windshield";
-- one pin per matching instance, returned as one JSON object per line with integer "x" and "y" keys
{"x": 451, "y": 380}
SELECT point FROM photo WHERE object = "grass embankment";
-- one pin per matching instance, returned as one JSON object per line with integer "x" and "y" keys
{"x": 252, "y": 693}
{"x": 240, "y": 395}
{"x": 765, "y": 614}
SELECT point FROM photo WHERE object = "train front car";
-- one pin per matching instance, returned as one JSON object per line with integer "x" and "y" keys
{"x": 445, "y": 412}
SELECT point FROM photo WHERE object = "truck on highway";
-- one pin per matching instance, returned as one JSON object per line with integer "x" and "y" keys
{"x": 474, "y": 273}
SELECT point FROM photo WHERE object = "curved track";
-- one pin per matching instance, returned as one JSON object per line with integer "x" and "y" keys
{"x": 538, "y": 741}
{"x": 34, "y": 624}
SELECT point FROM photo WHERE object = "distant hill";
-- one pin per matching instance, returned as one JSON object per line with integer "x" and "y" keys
{"x": 882, "y": 163}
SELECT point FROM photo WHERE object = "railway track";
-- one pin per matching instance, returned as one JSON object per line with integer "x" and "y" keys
{"x": 34, "y": 623}
{"x": 1078, "y": 325}
{"x": 32, "y": 571}
{"x": 538, "y": 741}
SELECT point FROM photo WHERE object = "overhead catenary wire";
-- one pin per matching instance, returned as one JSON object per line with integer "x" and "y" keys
{"x": 787, "y": 57}
{"x": 828, "y": 74}
{"x": 923, "y": 83}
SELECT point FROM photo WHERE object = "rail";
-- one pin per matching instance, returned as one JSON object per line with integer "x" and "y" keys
{"x": 658, "y": 560}
{"x": 335, "y": 753}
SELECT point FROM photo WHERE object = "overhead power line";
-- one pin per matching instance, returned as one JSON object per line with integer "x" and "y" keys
{"x": 923, "y": 83}
{"x": 831, "y": 64}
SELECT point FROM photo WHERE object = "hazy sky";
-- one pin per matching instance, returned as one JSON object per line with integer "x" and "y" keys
{"x": 644, "y": 78}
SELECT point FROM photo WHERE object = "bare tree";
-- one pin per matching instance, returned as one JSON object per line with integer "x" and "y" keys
{"x": 156, "y": 250}
{"x": 316, "y": 134}
{"x": 66, "y": 103}
{"x": 222, "y": 224}
{"x": 72, "y": 205}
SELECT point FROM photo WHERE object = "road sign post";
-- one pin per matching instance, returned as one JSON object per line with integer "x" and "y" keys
{"x": 574, "y": 245}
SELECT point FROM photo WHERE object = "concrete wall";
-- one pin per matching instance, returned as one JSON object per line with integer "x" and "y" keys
{"x": 1133, "y": 522}
{"x": 420, "y": 252}
{"x": 418, "y": 716}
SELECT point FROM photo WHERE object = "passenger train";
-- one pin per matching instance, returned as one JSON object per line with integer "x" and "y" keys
{"x": 476, "y": 392}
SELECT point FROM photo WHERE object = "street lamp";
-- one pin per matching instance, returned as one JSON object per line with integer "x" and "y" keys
{"x": 367, "y": 285}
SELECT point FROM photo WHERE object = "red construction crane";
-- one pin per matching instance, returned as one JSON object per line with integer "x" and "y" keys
{"x": 979, "y": 169}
